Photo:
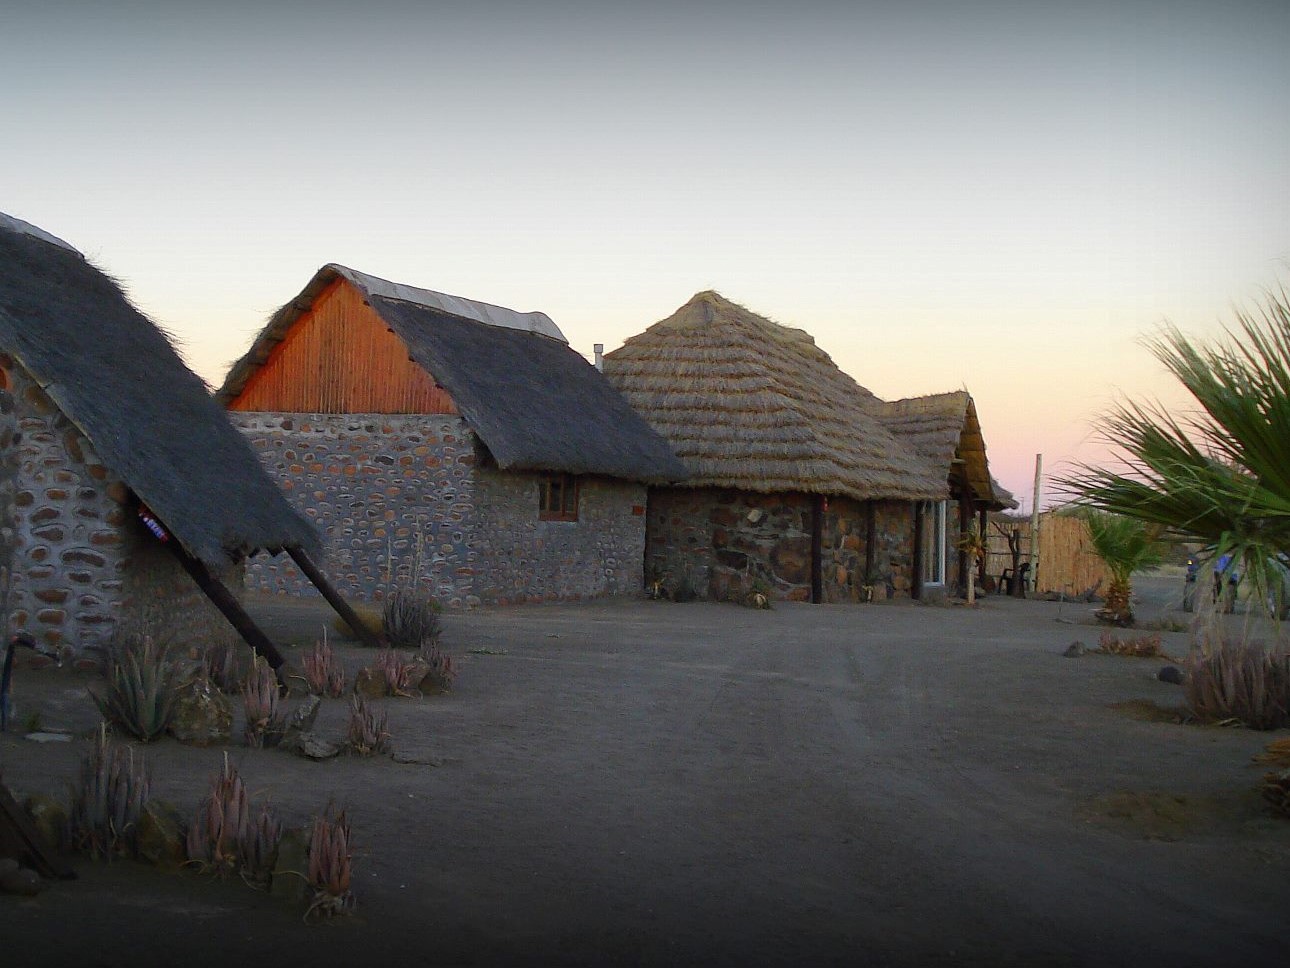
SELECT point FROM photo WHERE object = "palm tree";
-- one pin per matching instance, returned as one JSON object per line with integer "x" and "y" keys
{"x": 1221, "y": 473}
{"x": 1125, "y": 545}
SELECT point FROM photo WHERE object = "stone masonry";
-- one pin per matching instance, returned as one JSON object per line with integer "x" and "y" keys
{"x": 404, "y": 500}
{"x": 83, "y": 564}
{"x": 722, "y": 542}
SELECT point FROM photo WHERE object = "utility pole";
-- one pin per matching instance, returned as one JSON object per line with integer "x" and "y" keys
{"x": 1033, "y": 573}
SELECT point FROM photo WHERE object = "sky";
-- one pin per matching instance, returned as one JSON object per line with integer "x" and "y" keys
{"x": 1002, "y": 197}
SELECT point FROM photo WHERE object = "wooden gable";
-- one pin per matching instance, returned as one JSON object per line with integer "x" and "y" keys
{"x": 340, "y": 357}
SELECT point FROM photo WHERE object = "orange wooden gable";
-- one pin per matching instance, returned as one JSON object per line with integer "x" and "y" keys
{"x": 340, "y": 357}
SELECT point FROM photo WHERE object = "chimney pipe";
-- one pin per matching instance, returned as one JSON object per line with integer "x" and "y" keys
{"x": 599, "y": 349}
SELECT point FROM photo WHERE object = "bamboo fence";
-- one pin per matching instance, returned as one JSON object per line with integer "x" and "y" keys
{"x": 1066, "y": 563}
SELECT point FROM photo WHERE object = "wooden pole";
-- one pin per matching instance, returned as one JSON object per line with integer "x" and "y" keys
{"x": 916, "y": 579}
{"x": 231, "y": 609}
{"x": 818, "y": 505}
{"x": 334, "y": 599}
{"x": 1033, "y": 574}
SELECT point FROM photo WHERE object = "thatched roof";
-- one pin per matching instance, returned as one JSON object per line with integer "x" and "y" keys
{"x": 534, "y": 402}
{"x": 750, "y": 404}
{"x": 945, "y": 429}
{"x": 150, "y": 419}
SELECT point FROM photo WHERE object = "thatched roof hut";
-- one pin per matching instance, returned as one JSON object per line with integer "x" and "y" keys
{"x": 152, "y": 421}
{"x": 533, "y": 402}
{"x": 747, "y": 403}
{"x": 944, "y": 428}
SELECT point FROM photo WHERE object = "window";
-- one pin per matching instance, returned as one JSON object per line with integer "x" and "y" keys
{"x": 558, "y": 498}
{"x": 934, "y": 543}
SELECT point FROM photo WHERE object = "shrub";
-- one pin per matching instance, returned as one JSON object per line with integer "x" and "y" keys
{"x": 368, "y": 731}
{"x": 410, "y": 620}
{"x": 1239, "y": 682}
{"x": 262, "y": 702}
{"x": 323, "y": 671}
{"x": 1139, "y": 646}
{"x": 330, "y": 866}
{"x": 369, "y": 616}
{"x": 142, "y": 687}
{"x": 108, "y": 799}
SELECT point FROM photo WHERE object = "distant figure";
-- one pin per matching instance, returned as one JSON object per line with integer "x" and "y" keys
{"x": 1189, "y": 584}
{"x": 1226, "y": 566}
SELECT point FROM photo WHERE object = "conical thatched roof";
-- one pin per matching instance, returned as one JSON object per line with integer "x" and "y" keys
{"x": 534, "y": 402}
{"x": 750, "y": 404}
{"x": 150, "y": 419}
{"x": 945, "y": 429}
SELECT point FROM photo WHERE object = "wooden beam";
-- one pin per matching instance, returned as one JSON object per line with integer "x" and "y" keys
{"x": 818, "y": 504}
{"x": 334, "y": 599}
{"x": 20, "y": 840}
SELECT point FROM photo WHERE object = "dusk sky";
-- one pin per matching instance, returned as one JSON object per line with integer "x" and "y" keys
{"x": 999, "y": 196}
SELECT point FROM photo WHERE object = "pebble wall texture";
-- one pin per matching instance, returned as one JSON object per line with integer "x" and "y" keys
{"x": 84, "y": 565}
{"x": 402, "y": 499}
{"x": 721, "y": 541}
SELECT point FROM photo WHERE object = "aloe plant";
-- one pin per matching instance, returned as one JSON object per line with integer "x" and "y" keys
{"x": 108, "y": 800}
{"x": 141, "y": 689}
{"x": 323, "y": 671}
{"x": 368, "y": 732}
{"x": 258, "y": 848}
{"x": 440, "y": 665}
{"x": 330, "y": 865}
{"x": 262, "y": 702}
{"x": 222, "y": 824}
{"x": 402, "y": 673}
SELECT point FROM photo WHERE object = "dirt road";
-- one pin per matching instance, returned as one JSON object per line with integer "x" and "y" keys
{"x": 637, "y": 783}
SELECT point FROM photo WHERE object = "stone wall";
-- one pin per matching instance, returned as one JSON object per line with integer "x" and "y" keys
{"x": 83, "y": 563}
{"x": 401, "y": 499}
{"x": 522, "y": 558}
{"x": 722, "y": 541}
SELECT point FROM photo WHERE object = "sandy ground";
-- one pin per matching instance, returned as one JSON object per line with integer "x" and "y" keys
{"x": 640, "y": 783}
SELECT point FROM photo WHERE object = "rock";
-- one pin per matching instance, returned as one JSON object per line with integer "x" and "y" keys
{"x": 49, "y": 817}
{"x": 1171, "y": 673}
{"x": 7, "y": 866}
{"x": 301, "y": 719}
{"x": 21, "y": 881}
{"x": 203, "y": 715}
{"x": 370, "y": 683}
{"x": 160, "y": 837}
{"x": 1075, "y": 650}
{"x": 288, "y": 879}
{"x": 310, "y": 746}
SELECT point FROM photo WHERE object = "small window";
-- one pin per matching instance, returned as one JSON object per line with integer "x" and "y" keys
{"x": 558, "y": 498}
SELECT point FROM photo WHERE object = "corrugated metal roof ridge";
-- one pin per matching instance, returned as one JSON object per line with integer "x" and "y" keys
{"x": 472, "y": 309}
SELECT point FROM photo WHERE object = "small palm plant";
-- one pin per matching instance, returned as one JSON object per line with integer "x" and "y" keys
{"x": 973, "y": 545}
{"x": 1126, "y": 545}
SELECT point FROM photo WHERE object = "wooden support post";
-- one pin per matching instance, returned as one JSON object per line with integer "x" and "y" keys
{"x": 916, "y": 579}
{"x": 334, "y": 599}
{"x": 983, "y": 564}
{"x": 231, "y": 609}
{"x": 20, "y": 840}
{"x": 870, "y": 543}
{"x": 818, "y": 505}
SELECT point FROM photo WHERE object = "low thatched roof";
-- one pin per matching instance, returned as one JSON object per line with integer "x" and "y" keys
{"x": 747, "y": 403}
{"x": 534, "y": 402}
{"x": 150, "y": 419}
{"x": 945, "y": 429}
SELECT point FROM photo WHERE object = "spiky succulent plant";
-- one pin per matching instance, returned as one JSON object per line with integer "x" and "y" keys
{"x": 108, "y": 799}
{"x": 142, "y": 686}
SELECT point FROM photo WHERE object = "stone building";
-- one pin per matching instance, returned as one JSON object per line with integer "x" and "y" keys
{"x": 112, "y": 427}
{"x": 445, "y": 444}
{"x": 801, "y": 481}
